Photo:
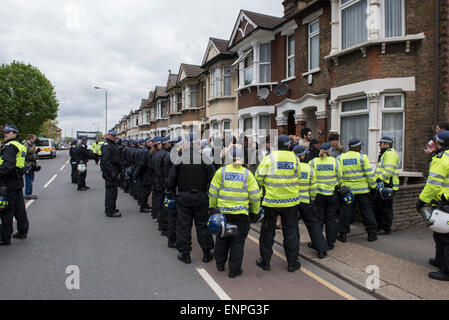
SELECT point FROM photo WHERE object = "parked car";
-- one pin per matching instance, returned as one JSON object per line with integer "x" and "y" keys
{"x": 47, "y": 148}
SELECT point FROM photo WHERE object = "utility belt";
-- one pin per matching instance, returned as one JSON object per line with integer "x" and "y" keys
{"x": 193, "y": 190}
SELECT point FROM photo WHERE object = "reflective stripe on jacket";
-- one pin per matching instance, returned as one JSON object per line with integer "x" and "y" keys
{"x": 438, "y": 180}
{"x": 355, "y": 172}
{"x": 278, "y": 173}
{"x": 307, "y": 183}
{"x": 388, "y": 168}
{"x": 233, "y": 189}
{"x": 326, "y": 172}
{"x": 20, "y": 157}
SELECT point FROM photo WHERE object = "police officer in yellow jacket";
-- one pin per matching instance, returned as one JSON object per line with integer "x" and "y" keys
{"x": 234, "y": 192}
{"x": 12, "y": 163}
{"x": 436, "y": 187}
{"x": 326, "y": 170}
{"x": 307, "y": 193}
{"x": 279, "y": 174}
{"x": 387, "y": 173}
{"x": 355, "y": 172}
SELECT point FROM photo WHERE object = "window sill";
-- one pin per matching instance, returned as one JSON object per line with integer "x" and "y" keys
{"x": 220, "y": 98}
{"x": 362, "y": 46}
{"x": 190, "y": 109}
{"x": 249, "y": 86}
{"x": 311, "y": 72}
{"x": 288, "y": 79}
{"x": 175, "y": 113}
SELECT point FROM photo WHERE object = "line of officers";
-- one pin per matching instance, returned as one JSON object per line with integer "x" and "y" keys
{"x": 225, "y": 199}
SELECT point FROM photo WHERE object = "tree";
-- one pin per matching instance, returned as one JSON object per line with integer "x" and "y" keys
{"x": 49, "y": 129}
{"x": 99, "y": 135}
{"x": 27, "y": 97}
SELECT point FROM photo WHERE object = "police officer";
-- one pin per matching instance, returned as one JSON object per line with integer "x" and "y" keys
{"x": 192, "y": 177}
{"x": 110, "y": 167}
{"x": 12, "y": 163}
{"x": 73, "y": 162}
{"x": 438, "y": 185}
{"x": 235, "y": 193}
{"x": 279, "y": 174}
{"x": 387, "y": 172}
{"x": 172, "y": 194}
{"x": 307, "y": 194}
{"x": 326, "y": 170}
{"x": 164, "y": 159}
{"x": 144, "y": 173}
{"x": 82, "y": 156}
{"x": 355, "y": 172}
{"x": 158, "y": 183}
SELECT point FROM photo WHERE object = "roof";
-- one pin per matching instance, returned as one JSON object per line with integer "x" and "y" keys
{"x": 192, "y": 71}
{"x": 160, "y": 92}
{"x": 222, "y": 51}
{"x": 263, "y": 20}
{"x": 144, "y": 103}
{"x": 171, "y": 81}
{"x": 151, "y": 96}
{"x": 221, "y": 45}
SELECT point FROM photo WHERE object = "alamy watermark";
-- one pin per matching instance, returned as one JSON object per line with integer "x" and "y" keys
{"x": 72, "y": 282}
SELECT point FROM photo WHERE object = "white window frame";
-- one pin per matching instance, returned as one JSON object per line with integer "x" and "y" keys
{"x": 260, "y": 64}
{"x": 287, "y": 37}
{"x": 342, "y": 7}
{"x": 244, "y": 69}
{"x": 223, "y": 123}
{"x": 197, "y": 95}
{"x": 383, "y": 16}
{"x": 215, "y": 80}
{"x": 310, "y": 36}
{"x": 383, "y": 110}
{"x": 361, "y": 112}
{"x": 226, "y": 75}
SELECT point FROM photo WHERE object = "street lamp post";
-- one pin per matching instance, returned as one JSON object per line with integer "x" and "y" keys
{"x": 106, "y": 109}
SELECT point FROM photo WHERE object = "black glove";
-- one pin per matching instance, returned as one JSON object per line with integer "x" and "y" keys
{"x": 419, "y": 204}
{"x": 373, "y": 192}
{"x": 213, "y": 211}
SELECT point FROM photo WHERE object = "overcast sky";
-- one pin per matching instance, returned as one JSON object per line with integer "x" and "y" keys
{"x": 124, "y": 46}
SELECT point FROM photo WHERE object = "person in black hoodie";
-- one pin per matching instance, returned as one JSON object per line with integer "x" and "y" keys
{"x": 12, "y": 163}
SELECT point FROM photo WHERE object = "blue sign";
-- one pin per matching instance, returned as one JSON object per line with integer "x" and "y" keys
{"x": 325, "y": 167}
{"x": 304, "y": 175}
{"x": 233, "y": 176}
{"x": 282, "y": 165}
{"x": 349, "y": 162}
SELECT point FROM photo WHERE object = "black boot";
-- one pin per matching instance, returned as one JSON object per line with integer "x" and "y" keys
{"x": 372, "y": 237}
{"x": 341, "y": 237}
{"x": 184, "y": 258}
{"x": 207, "y": 256}
{"x": 439, "y": 275}
{"x": 263, "y": 264}
{"x": 292, "y": 267}
{"x": 435, "y": 263}
{"x": 19, "y": 236}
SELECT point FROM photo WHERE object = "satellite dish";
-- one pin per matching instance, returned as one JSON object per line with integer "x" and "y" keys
{"x": 263, "y": 93}
{"x": 280, "y": 89}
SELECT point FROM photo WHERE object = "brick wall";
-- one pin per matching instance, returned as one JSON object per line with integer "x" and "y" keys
{"x": 404, "y": 208}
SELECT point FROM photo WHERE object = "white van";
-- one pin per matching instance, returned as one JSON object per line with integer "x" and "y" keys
{"x": 47, "y": 146}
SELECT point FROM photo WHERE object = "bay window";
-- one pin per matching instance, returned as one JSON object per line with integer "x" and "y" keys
{"x": 355, "y": 121}
{"x": 393, "y": 11}
{"x": 353, "y": 19}
{"x": 215, "y": 82}
{"x": 178, "y": 102}
{"x": 248, "y": 68}
{"x": 227, "y": 81}
{"x": 393, "y": 120}
{"x": 194, "y": 95}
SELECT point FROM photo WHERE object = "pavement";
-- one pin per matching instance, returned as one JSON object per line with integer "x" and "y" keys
{"x": 401, "y": 259}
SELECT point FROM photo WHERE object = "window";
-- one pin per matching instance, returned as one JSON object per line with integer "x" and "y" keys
{"x": 394, "y": 18}
{"x": 179, "y": 102}
{"x": 264, "y": 123}
{"x": 354, "y": 121}
{"x": 163, "y": 109}
{"x": 314, "y": 45}
{"x": 290, "y": 56}
{"x": 215, "y": 82}
{"x": 185, "y": 101}
{"x": 248, "y": 69}
{"x": 226, "y": 125}
{"x": 264, "y": 64}
{"x": 353, "y": 22}
{"x": 393, "y": 120}
{"x": 248, "y": 124}
{"x": 227, "y": 81}
{"x": 194, "y": 95}
{"x": 203, "y": 94}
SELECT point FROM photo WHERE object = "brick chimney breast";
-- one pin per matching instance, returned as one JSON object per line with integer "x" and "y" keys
{"x": 293, "y": 6}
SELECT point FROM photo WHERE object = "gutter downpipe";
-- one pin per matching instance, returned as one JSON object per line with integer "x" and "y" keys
{"x": 436, "y": 66}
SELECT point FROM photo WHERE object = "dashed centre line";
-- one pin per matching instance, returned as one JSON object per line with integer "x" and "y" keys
{"x": 51, "y": 180}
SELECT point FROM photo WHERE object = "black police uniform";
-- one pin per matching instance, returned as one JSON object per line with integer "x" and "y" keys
{"x": 143, "y": 173}
{"x": 192, "y": 181}
{"x": 12, "y": 177}
{"x": 73, "y": 164}
{"x": 159, "y": 189}
{"x": 82, "y": 156}
{"x": 171, "y": 193}
{"x": 110, "y": 166}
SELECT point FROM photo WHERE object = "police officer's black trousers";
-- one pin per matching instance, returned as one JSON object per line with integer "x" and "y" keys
{"x": 157, "y": 203}
{"x": 111, "y": 196}
{"x": 384, "y": 213}
{"x": 15, "y": 209}
{"x": 290, "y": 231}
{"x": 442, "y": 250}
{"x": 311, "y": 220}
{"x": 232, "y": 246}
{"x": 74, "y": 172}
{"x": 171, "y": 225}
{"x": 82, "y": 178}
{"x": 327, "y": 211}
{"x": 192, "y": 206}
{"x": 144, "y": 192}
{"x": 163, "y": 221}
{"x": 364, "y": 203}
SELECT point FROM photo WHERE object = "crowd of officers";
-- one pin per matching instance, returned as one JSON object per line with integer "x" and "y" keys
{"x": 187, "y": 188}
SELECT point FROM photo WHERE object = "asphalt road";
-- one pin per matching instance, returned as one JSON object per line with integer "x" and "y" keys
{"x": 126, "y": 258}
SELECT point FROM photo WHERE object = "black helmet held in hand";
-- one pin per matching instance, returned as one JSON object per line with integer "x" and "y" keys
{"x": 35, "y": 167}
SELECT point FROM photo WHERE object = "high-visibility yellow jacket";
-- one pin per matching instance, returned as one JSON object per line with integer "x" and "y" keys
{"x": 20, "y": 156}
{"x": 94, "y": 148}
{"x": 388, "y": 168}
{"x": 233, "y": 189}
{"x": 307, "y": 183}
{"x": 279, "y": 174}
{"x": 326, "y": 171}
{"x": 355, "y": 172}
{"x": 438, "y": 180}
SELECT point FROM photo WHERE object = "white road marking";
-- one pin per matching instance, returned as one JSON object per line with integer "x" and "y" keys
{"x": 62, "y": 168}
{"x": 67, "y": 162}
{"x": 29, "y": 202}
{"x": 211, "y": 282}
{"x": 51, "y": 180}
